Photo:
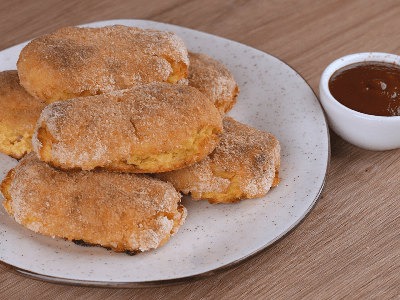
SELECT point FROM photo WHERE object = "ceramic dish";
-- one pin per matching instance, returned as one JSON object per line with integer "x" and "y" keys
{"x": 369, "y": 132}
{"x": 214, "y": 238}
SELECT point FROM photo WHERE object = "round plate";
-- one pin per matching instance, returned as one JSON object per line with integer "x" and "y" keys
{"x": 214, "y": 238}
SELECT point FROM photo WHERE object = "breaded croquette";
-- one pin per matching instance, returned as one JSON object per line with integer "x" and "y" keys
{"x": 120, "y": 211}
{"x": 75, "y": 62}
{"x": 244, "y": 165}
{"x": 214, "y": 80}
{"x": 150, "y": 128}
{"x": 19, "y": 112}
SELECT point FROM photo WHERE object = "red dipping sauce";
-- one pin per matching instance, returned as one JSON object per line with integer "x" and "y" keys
{"x": 370, "y": 87}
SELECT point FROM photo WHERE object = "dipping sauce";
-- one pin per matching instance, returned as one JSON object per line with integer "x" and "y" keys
{"x": 370, "y": 87}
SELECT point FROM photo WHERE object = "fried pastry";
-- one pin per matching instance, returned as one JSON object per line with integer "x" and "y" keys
{"x": 151, "y": 128}
{"x": 244, "y": 165}
{"x": 75, "y": 62}
{"x": 120, "y": 211}
{"x": 19, "y": 112}
{"x": 214, "y": 80}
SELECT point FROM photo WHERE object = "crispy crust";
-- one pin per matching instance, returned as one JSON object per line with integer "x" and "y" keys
{"x": 150, "y": 128}
{"x": 76, "y": 62}
{"x": 244, "y": 165}
{"x": 120, "y": 211}
{"x": 214, "y": 80}
{"x": 19, "y": 112}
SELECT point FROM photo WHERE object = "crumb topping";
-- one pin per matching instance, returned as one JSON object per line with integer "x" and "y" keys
{"x": 88, "y": 61}
{"x": 104, "y": 208}
{"x": 149, "y": 119}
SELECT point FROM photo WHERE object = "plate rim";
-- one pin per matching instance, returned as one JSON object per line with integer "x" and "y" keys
{"x": 199, "y": 276}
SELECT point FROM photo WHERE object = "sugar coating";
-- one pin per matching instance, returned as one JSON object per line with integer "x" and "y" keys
{"x": 151, "y": 119}
{"x": 244, "y": 165}
{"x": 214, "y": 80}
{"x": 125, "y": 212}
{"x": 88, "y": 61}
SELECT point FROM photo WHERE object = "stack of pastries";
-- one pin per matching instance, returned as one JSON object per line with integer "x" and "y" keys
{"x": 112, "y": 125}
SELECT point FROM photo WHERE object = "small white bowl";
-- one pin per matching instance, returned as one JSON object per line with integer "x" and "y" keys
{"x": 362, "y": 130}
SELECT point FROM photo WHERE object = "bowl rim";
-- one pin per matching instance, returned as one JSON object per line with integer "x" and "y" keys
{"x": 348, "y": 60}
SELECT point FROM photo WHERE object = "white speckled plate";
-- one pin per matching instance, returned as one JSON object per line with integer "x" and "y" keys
{"x": 273, "y": 98}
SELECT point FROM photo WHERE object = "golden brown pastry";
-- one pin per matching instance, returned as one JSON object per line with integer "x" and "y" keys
{"x": 244, "y": 165}
{"x": 120, "y": 211}
{"x": 19, "y": 112}
{"x": 214, "y": 80}
{"x": 150, "y": 128}
{"x": 76, "y": 62}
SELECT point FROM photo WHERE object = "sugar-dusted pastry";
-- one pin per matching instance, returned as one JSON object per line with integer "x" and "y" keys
{"x": 214, "y": 80}
{"x": 244, "y": 165}
{"x": 151, "y": 128}
{"x": 19, "y": 112}
{"x": 120, "y": 211}
{"x": 85, "y": 61}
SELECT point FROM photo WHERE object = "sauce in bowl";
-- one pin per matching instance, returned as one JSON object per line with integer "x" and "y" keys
{"x": 368, "y": 87}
